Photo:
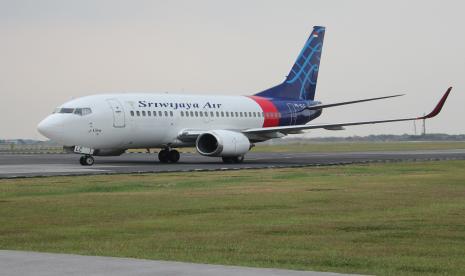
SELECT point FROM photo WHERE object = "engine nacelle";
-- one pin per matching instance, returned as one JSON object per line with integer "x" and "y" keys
{"x": 224, "y": 143}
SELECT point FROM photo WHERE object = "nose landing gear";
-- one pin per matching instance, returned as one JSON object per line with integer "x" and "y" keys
{"x": 87, "y": 160}
{"x": 168, "y": 156}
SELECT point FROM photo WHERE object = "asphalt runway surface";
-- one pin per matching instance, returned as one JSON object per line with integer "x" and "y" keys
{"x": 23, "y": 263}
{"x": 30, "y": 165}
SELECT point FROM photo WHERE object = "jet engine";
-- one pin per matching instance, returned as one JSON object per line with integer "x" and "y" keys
{"x": 222, "y": 143}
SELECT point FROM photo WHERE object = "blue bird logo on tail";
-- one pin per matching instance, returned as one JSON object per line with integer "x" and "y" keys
{"x": 300, "y": 84}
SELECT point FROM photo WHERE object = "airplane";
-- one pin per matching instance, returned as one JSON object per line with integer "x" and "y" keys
{"x": 217, "y": 126}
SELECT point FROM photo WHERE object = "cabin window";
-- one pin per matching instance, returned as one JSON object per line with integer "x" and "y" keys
{"x": 217, "y": 114}
{"x": 160, "y": 113}
{"x": 143, "y": 113}
{"x": 206, "y": 113}
{"x": 212, "y": 114}
{"x": 166, "y": 113}
{"x": 227, "y": 114}
{"x": 222, "y": 114}
{"x": 171, "y": 113}
{"x": 132, "y": 113}
{"x": 182, "y": 113}
{"x": 138, "y": 113}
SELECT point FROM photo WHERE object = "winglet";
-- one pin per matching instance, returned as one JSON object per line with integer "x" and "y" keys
{"x": 438, "y": 107}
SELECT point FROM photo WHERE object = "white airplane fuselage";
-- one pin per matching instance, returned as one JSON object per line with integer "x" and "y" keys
{"x": 123, "y": 121}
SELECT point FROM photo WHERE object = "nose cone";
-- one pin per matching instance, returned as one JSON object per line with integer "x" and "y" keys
{"x": 50, "y": 128}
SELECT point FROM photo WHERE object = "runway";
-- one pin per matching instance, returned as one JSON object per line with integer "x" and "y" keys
{"x": 31, "y": 165}
{"x": 34, "y": 263}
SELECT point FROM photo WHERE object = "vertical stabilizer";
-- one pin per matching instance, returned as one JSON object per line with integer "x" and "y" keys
{"x": 301, "y": 81}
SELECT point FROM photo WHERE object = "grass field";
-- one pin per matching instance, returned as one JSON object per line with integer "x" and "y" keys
{"x": 385, "y": 219}
{"x": 359, "y": 146}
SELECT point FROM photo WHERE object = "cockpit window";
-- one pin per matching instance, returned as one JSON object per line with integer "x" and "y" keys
{"x": 66, "y": 110}
{"x": 78, "y": 111}
{"x": 82, "y": 111}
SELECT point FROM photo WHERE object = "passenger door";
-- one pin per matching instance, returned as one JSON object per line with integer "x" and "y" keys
{"x": 118, "y": 113}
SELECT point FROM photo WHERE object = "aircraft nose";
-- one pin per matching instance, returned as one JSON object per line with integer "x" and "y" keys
{"x": 49, "y": 127}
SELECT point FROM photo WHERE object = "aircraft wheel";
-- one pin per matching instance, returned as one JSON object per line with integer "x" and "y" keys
{"x": 234, "y": 159}
{"x": 173, "y": 156}
{"x": 86, "y": 160}
{"x": 238, "y": 159}
{"x": 163, "y": 156}
{"x": 228, "y": 160}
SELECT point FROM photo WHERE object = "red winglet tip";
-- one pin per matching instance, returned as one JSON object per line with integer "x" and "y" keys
{"x": 439, "y": 106}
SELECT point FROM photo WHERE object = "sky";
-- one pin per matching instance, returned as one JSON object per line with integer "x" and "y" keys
{"x": 54, "y": 51}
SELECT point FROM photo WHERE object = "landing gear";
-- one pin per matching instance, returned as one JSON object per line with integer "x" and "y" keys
{"x": 174, "y": 156}
{"x": 87, "y": 160}
{"x": 168, "y": 156}
{"x": 163, "y": 156}
{"x": 234, "y": 159}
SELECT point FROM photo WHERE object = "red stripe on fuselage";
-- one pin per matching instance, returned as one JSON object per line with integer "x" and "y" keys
{"x": 267, "y": 106}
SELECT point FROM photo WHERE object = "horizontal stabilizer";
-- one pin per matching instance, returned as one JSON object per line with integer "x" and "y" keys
{"x": 321, "y": 106}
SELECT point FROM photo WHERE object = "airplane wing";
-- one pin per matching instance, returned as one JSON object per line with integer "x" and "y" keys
{"x": 295, "y": 129}
{"x": 321, "y": 106}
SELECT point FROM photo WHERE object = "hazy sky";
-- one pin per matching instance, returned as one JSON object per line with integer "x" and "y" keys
{"x": 52, "y": 51}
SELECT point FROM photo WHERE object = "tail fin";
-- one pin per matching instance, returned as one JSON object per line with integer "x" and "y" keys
{"x": 301, "y": 81}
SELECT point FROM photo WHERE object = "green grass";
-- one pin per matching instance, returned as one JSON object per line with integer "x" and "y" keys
{"x": 359, "y": 146}
{"x": 385, "y": 219}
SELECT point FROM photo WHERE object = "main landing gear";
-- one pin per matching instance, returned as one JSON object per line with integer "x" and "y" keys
{"x": 168, "y": 156}
{"x": 234, "y": 159}
{"x": 87, "y": 160}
